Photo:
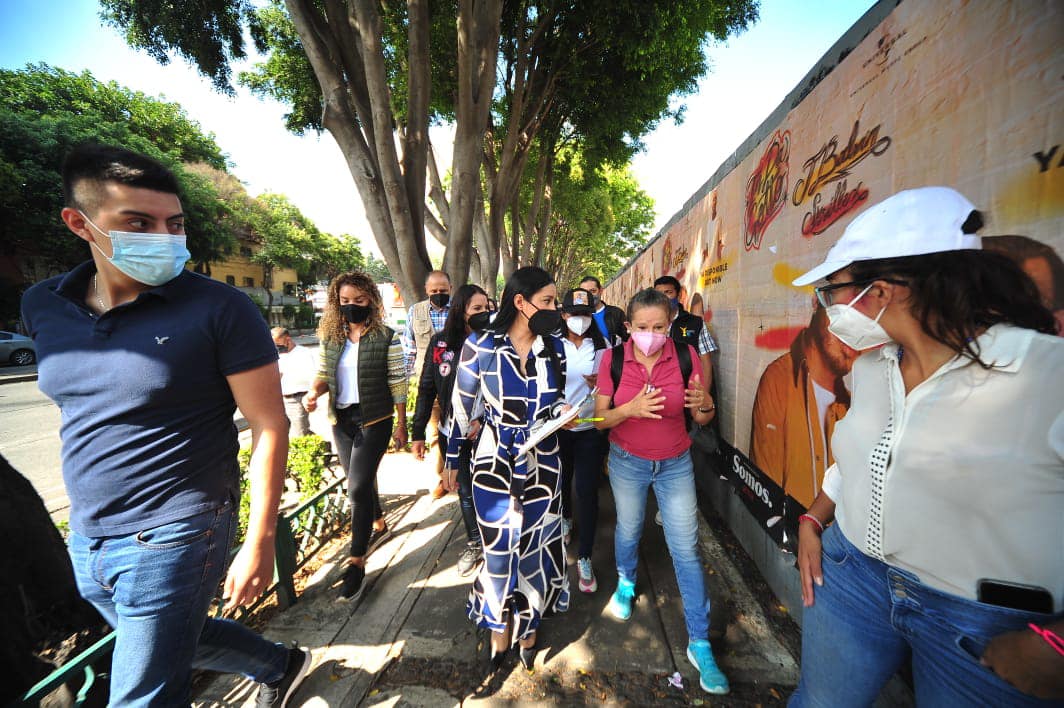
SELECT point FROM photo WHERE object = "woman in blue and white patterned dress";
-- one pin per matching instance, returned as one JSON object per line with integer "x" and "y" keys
{"x": 515, "y": 371}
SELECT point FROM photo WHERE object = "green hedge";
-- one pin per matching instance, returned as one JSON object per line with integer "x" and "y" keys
{"x": 306, "y": 465}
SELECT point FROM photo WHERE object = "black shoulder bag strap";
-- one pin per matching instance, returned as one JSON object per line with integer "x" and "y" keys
{"x": 552, "y": 353}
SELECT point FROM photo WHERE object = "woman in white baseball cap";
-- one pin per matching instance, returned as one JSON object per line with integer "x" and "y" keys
{"x": 948, "y": 484}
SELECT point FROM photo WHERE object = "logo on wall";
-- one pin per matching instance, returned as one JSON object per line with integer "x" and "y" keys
{"x": 673, "y": 260}
{"x": 766, "y": 190}
{"x": 882, "y": 54}
{"x": 830, "y": 165}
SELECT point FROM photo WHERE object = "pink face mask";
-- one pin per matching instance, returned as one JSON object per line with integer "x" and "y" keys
{"x": 650, "y": 343}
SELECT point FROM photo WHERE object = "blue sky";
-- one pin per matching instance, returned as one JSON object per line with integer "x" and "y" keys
{"x": 750, "y": 75}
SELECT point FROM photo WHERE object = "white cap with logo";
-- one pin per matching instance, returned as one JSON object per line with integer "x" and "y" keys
{"x": 909, "y": 223}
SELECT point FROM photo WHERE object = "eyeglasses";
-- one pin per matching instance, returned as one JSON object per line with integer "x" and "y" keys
{"x": 825, "y": 293}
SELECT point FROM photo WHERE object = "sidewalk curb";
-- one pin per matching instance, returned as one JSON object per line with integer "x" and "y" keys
{"x": 17, "y": 378}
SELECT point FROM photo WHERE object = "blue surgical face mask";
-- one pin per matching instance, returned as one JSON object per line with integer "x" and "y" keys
{"x": 152, "y": 259}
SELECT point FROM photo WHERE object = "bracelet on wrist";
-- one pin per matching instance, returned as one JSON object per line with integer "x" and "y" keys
{"x": 813, "y": 520}
{"x": 1052, "y": 638}
{"x": 707, "y": 410}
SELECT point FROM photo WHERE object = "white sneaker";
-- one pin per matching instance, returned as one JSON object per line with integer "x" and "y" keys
{"x": 588, "y": 583}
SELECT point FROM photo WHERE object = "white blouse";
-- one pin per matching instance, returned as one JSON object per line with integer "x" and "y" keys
{"x": 972, "y": 482}
{"x": 347, "y": 376}
{"x": 580, "y": 362}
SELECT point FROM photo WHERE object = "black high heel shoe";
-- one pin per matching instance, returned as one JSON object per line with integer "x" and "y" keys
{"x": 528, "y": 657}
{"x": 493, "y": 660}
{"x": 496, "y": 660}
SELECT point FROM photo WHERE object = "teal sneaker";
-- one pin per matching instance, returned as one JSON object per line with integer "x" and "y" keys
{"x": 710, "y": 677}
{"x": 621, "y": 601}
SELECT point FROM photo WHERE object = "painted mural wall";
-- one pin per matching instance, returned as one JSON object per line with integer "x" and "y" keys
{"x": 964, "y": 94}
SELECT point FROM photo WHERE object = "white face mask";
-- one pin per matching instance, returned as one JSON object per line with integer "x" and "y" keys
{"x": 578, "y": 324}
{"x": 854, "y": 328}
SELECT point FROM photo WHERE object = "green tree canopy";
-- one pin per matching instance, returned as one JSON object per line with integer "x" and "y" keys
{"x": 46, "y": 111}
{"x": 599, "y": 218}
{"x": 600, "y": 72}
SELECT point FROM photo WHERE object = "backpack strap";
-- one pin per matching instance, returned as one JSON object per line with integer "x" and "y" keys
{"x": 552, "y": 353}
{"x": 683, "y": 357}
{"x": 616, "y": 367}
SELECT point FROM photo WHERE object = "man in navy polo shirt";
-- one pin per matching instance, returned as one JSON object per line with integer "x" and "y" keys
{"x": 147, "y": 362}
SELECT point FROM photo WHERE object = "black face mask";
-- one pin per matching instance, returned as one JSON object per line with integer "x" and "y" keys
{"x": 282, "y": 349}
{"x": 355, "y": 314}
{"x": 545, "y": 322}
{"x": 439, "y": 300}
{"x": 479, "y": 321}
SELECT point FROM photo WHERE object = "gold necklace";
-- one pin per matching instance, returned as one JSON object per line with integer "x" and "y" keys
{"x": 96, "y": 290}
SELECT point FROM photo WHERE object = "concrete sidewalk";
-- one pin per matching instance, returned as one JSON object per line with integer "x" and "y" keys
{"x": 413, "y": 610}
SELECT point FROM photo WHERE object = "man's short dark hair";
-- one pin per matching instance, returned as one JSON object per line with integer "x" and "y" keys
{"x": 437, "y": 272}
{"x": 593, "y": 279}
{"x": 670, "y": 281}
{"x": 88, "y": 166}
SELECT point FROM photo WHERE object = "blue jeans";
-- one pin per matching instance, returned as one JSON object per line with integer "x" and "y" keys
{"x": 869, "y": 618}
{"x": 581, "y": 453}
{"x": 673, "y": 481}
{"x": 155, "y": 588}
{"x": 465, "y": 486}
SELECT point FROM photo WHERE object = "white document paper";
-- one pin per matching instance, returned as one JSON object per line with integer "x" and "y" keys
{"x": 555, "y": 424}
{"x": 551, "y": 426}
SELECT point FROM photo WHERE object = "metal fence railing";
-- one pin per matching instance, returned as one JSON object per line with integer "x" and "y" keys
{"x": 301, "y": 533}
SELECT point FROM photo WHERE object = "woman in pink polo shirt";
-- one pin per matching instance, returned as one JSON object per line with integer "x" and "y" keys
{"x": 649, "y": 447}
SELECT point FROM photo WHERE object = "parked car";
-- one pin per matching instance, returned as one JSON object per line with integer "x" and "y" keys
{"x": 16, "y": 349}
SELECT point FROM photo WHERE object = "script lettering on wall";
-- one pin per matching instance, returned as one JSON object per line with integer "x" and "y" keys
{"x": 830, "y": 165}
{"x": 766, "y": 190}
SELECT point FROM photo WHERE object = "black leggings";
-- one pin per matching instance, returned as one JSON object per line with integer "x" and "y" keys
{"x": 360, "y": 450}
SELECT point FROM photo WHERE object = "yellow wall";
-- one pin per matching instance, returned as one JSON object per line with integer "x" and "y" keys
{"x": 241, "y": 267}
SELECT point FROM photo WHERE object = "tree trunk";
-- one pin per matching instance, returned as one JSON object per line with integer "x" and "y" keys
{"x": 532, "y": 217}
{"x": 267, "y": 285}
{"x": 344, "y": 50}
{"x": 416, "y": 134}
{"x": 478, "y": 42}
{"x": 546, "y": 212}
{"x": 409, "y": 243}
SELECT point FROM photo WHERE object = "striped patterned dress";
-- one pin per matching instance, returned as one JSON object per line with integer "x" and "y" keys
{"x": 517, "y": 497}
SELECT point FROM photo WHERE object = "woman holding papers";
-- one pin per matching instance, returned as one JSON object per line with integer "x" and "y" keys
{"x": 516, "y": 372}
{"x": 583, "y": 447}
